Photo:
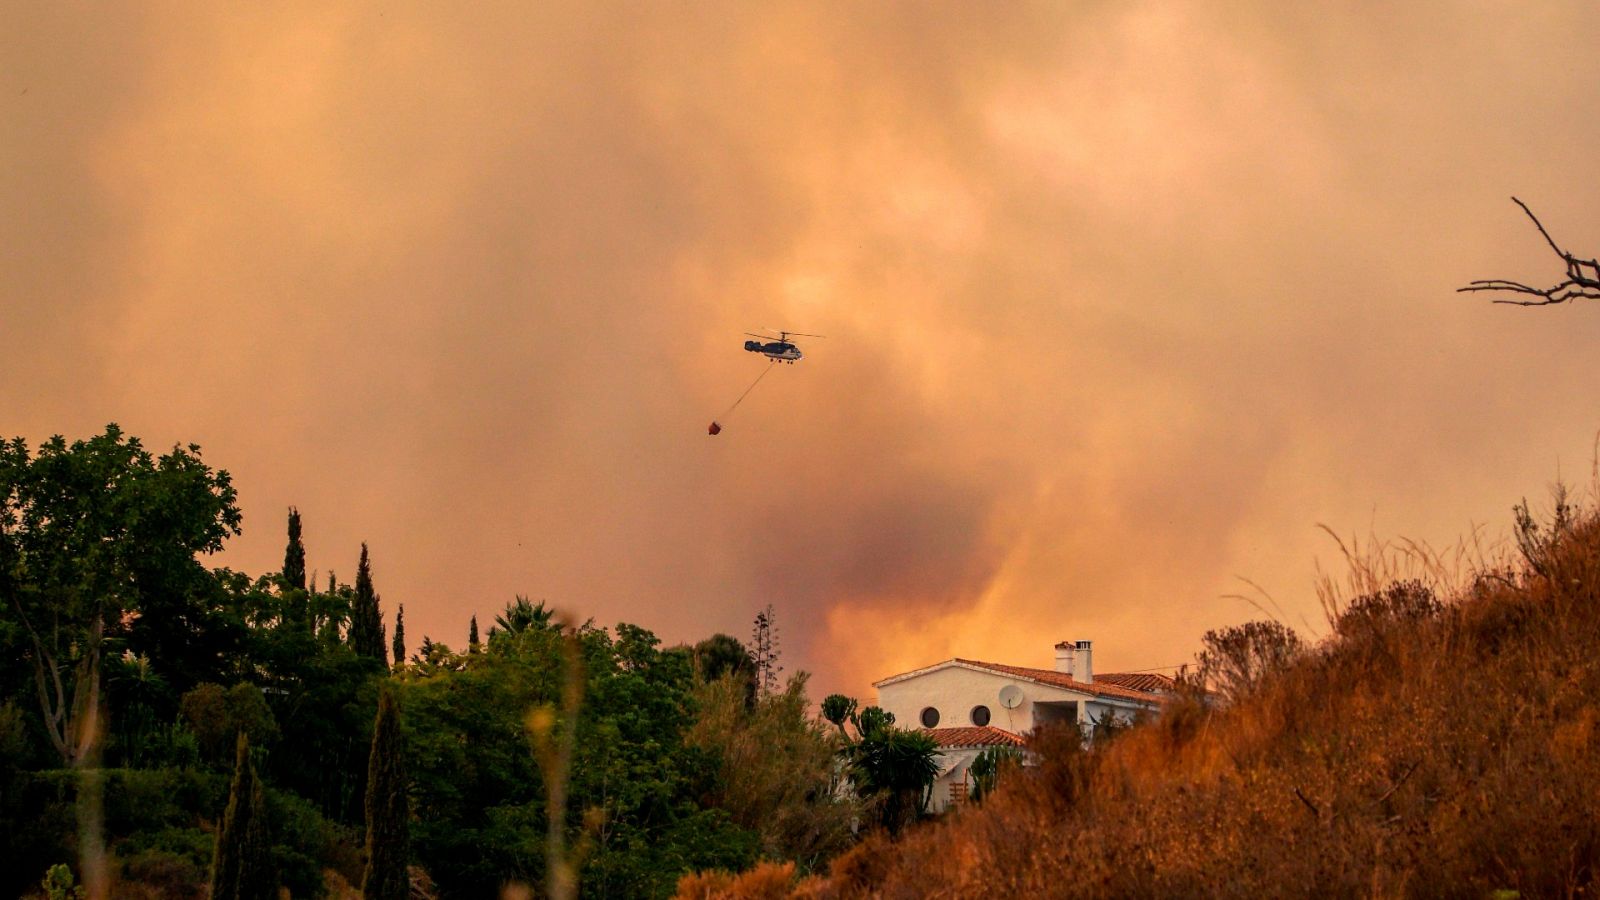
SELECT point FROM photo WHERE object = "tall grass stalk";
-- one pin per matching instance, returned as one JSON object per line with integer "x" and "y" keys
{"x": 554, "y": 732}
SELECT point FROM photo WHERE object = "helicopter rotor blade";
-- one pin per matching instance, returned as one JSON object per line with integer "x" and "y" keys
{"x": 766, "y": 336}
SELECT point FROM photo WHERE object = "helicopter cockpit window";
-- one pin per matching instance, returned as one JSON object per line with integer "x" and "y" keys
{"x": 930, "y": 717}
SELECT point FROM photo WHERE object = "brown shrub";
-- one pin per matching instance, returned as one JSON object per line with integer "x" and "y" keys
{"x": 767, "y": 881}
{"x": 157, "y": 873}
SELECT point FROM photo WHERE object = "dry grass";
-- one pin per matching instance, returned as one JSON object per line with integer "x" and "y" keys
{"x": 1421, "y": 749}
{"x": 767, "y": 881}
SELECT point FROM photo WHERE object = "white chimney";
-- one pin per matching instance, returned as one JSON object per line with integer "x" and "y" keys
{"x": 1065, "y": 653}
{"x": 1084, "y": 668}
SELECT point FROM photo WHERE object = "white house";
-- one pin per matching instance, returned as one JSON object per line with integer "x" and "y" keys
{"x": 969, "y": 706}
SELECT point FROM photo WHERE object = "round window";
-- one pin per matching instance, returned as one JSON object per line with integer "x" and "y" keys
{"x": 930, "y": 717}
{"x": 980, "y": 715}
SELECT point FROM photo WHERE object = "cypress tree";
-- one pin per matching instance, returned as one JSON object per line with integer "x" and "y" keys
{"x": 388, "y": 840}
{"x": 472, "y": 636}
{"x": 366, "y": 621}
{"x": 361, "y": 634}
{"x": 294, "y": 556}
{"x": 400, "y": 636}
{"x": 241, "y": 866}
{"x": 325, "y": 614}
{"x": 383, "y": 632}
{"x": 296, "y": 601}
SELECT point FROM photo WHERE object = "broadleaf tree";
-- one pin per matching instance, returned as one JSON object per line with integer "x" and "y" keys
{"x": 98, "y": 541}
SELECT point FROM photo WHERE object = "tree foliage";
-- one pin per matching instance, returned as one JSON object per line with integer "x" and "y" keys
{"x": 722, "y": 656}
{"x": 633, "y": 813}
{"x": 839, "y": 709}
{"x": 891, "y": 768}
{"x": 241, "y": 869}
{"x": 388, "y": 812}
{"x": 97, "y": 548}
{"x": 521, "y": 615}
{"x": 668, "y": 763}
{"x": 400, "y": 636}
{"x": 216, "y": 715}
{"x": 988, "y": 767}
{"x": 366, "y": 618}
{"x": 778, "y": 772}
{"x": 294, "y": 555}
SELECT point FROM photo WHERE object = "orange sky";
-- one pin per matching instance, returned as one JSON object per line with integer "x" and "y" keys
{"x": 1121, "y": 299}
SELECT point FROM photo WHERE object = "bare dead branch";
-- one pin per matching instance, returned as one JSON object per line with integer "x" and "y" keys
{"x": 1309, "y": 805}
{"x": 1582, "y": 281}
{"x": 1540, "y": 225}
{"x": 1396, "y": 786}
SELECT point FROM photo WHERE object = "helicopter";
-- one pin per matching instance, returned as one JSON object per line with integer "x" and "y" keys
{"x": 777, "y": 349}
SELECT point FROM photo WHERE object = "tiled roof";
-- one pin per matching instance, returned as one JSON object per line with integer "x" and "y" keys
{"x": 974, "y": 736}
{"x": 1149, "y": 682}
{"x": 1063, "y": 680}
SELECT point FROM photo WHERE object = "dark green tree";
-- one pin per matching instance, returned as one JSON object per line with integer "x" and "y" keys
{"x": 216, "y": 715}
{"x": 294, "y": 556}
{"x": 332, "y": 612}
{"x": 400, "y": 637}
{"x": 472, "y": 635}
{"x": 721, "y": 656}
{"x": 366, "y": 619}
{"x": 241, "y": 867}
{"x": 522, "y": 615}
{"x": 989, "y": 765}
{"x": 839, "y": 709}
{"x": 388, "y": 840}
{"x": 295, "y": 608}
{"x": 424, "y": 652}
{"x": 98, "y": 541}
{"x": 635, "y": 815}
{"x": 890, "y": 767}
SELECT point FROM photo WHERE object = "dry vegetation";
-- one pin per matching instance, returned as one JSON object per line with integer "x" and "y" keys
{"x": 1424, "y": 748}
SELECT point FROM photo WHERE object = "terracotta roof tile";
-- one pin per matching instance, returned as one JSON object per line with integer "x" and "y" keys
{"x": 1149, "y": 682}
{"x": 974, "y": 736}
{"x": 1063, "y": 680}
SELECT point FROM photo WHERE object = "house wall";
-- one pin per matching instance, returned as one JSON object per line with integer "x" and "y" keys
{"x": 961, "y": 759}
{"x": 955, "y": 690}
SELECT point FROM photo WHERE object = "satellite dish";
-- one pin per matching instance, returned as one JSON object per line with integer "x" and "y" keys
{"x": 1011, "y": 696}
